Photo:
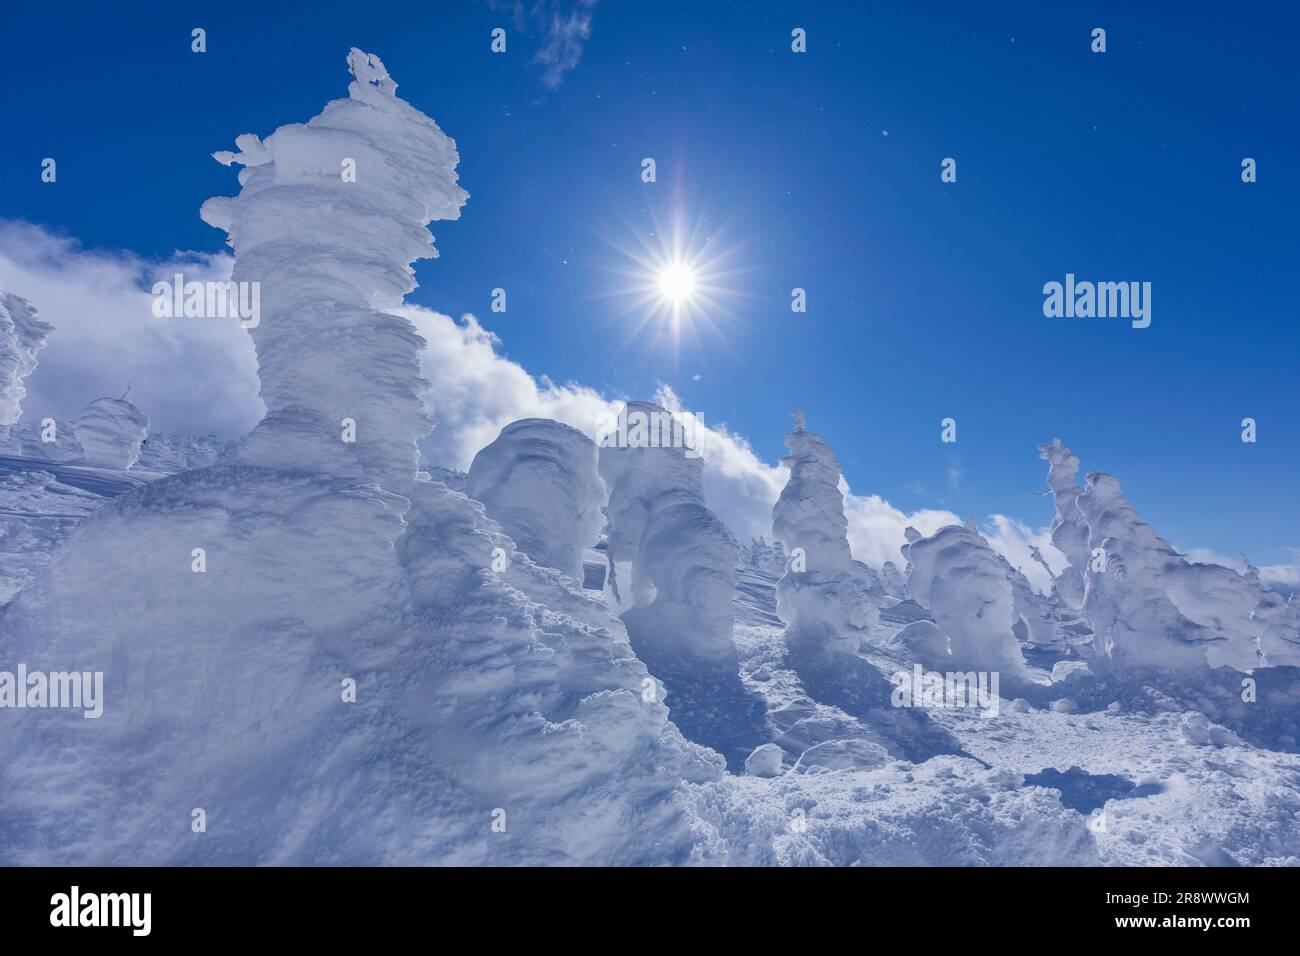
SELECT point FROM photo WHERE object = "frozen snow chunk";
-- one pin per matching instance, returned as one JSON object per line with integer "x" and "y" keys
{"x": 1198, "y": 731}
{"x": 851, "y": 754}
{"x": 538, "y": 480}
{"x": 924, "y": 639}
{"x": 1063, "y": 671}
{"x": 765, "y": 761}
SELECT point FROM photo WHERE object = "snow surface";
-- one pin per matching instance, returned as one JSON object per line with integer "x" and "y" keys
{"x": 351, "y": 674}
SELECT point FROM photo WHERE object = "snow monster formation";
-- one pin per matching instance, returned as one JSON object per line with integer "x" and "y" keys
{"x": 830, "y": 603}
{"x": 22, "y": 335}
{"x": 1069, "y": 528}
{"x": 1168, "y": 632}
{"x": 1147, "y": 605}
{"x": 111, "y": 432}
{"x": 673, "y": 567}
{"x": 966, "y": 587}
{"x": 308, "y": 653}
{"x": 538, "y": 480}
{"x": 1151, "y": 607}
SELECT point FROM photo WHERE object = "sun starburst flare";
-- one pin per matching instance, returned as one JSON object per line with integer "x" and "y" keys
{"x": 678, "y": 283}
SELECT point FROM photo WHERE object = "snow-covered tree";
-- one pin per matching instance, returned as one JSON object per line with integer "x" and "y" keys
{"x": 538, "y": 480}
{"x": 22, "y": 335}
{"x": 673, "y": 570}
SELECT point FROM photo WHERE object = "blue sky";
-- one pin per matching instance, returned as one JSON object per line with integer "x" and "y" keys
{"x": 924, "y": 298}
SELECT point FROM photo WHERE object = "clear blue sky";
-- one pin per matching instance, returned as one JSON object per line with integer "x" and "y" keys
{"x": 924, "y": 298}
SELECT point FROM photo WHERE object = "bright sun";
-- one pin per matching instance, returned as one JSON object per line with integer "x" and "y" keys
{"x": 677, "y": 282}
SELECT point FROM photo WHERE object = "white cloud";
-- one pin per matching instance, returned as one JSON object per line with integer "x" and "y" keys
{"x": 1014, "y": 540}
{"x": 475, "y": 392}
{"x": 189, "y": 375}
{"x": 564, "y": 26}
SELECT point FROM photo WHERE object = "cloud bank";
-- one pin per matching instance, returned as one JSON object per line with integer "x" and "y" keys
{"x": 191, "y": 375}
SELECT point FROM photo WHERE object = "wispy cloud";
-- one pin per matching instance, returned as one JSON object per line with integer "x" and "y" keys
{"x": 562, "y": 28}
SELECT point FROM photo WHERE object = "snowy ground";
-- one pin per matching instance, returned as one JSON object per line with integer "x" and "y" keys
{"x": 1202, "y": 805}
{"x": 41, "y": 504}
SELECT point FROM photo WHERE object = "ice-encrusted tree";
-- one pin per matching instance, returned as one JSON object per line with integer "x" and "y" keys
{"x": 830, "y": 603}
{"x": 1069, "y": 528}
{"x": 1150, "y": 607}
{"x": 823, "y": 590}
{"x": 22, "y": 335}
{"x": 538, "y": 480}
{"x": 339, "y": 374}
{"x": 673, "y": 570}
{"x": 967, "y": 588}
{"x": 111, "y": 432}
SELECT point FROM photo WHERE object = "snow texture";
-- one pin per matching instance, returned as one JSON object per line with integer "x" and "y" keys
{"x": 497, "y": 718}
